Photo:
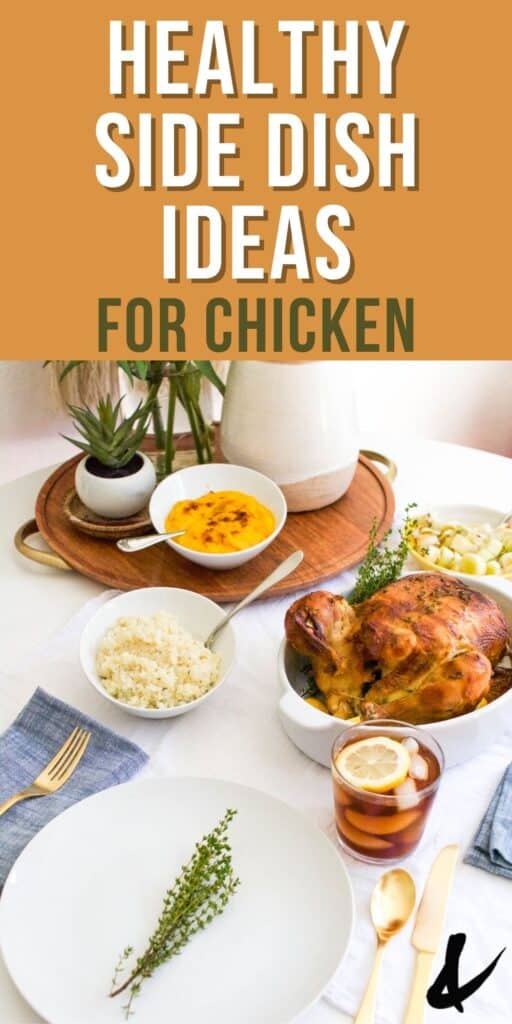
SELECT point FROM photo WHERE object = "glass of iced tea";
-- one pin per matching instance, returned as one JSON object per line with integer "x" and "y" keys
{"x": 385, "y": 777}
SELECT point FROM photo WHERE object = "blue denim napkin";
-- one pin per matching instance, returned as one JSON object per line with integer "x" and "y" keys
{"x": 30, "y": 743}
{"x": 492, "y": 846}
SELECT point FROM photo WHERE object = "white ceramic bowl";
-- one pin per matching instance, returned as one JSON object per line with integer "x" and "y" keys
{"x": 469, "y": 515}
{"x": 314, "y": 732}
{"x": 195, "y": 613}
{"x": 217, "y": 476}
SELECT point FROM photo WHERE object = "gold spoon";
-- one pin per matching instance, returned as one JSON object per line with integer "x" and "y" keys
{"x": 391, "y": 906}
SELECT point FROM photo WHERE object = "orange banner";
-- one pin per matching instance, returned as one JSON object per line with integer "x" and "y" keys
{"x": 306, "y": 186}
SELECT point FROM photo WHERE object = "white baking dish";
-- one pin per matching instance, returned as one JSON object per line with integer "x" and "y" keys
{"x": 461, "y": 738}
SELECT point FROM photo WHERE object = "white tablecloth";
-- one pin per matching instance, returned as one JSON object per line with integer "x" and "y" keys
{"x": 238, "y": 736}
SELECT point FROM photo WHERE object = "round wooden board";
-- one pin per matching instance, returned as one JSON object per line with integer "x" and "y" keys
{"x": 332, "y": 539}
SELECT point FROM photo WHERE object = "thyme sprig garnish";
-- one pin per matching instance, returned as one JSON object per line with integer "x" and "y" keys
{"x": 310, "y": 687}
{"x": 383, "y": 564}
{"x": 198, "y": 895}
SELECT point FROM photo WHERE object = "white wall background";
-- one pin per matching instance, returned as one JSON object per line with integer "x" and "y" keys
{"x": 463, "y": 402}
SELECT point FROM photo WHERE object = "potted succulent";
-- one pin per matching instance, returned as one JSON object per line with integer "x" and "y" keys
{"x": 115, "y": 479}
{"x": 167, "y": 383}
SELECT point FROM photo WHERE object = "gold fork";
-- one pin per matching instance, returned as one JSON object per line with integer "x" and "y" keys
{"x": 57, "y": 772}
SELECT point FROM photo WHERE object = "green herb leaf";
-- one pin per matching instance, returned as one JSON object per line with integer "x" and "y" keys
{"x": 383, "y": 564}
{"x": 200, "y": 893}
{"x": 126, "y": 366}
{"x": 141, "y": 368}
{"x": 311, "y": 689}
{"x": 70, "y": 366}
{"x": 208, "y": 371}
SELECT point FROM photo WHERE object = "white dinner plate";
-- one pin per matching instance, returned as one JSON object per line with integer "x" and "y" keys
{"x": 92, "y": 882}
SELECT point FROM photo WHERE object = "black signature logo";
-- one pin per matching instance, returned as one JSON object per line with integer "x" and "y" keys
{"x": 446, "y": 991}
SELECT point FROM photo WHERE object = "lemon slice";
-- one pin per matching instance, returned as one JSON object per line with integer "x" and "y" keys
{"x": 377, "y": 764}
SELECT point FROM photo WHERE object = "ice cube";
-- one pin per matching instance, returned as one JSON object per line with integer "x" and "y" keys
{"x": 406, "y": 795}
{"x": 418, "y": 768}
{"x": 411, "y": 745}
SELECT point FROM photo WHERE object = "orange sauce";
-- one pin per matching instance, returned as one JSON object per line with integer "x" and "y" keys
{"x": 220, "y": 522}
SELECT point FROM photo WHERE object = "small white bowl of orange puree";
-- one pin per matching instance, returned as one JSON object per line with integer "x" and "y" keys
{"x": 229, "y": 514}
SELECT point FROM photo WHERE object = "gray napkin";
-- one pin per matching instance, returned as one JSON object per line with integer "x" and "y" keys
{"x": 492, "y": 846}
{"x": 30, "y": 743}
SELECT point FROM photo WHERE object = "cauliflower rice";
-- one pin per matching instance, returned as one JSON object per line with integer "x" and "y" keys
{"x": 150, "y": 661}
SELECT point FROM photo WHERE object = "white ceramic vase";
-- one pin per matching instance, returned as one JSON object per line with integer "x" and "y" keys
{"x": 296, "y": 423}
{"x": 115, "y": 497}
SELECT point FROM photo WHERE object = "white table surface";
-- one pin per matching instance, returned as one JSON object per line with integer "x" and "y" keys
{"x": 37, "y": 601}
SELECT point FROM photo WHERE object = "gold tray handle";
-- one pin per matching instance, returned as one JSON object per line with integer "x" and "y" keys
{"x": 43, "y": 557}
{"x": 383, "y": 459}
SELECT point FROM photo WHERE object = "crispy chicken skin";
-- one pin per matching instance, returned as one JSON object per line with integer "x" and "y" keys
{"x": 421, "y": 649}
{"x": 322, "y": 626}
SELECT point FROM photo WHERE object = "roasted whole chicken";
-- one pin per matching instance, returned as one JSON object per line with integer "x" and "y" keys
{"x": 420, "y": 650}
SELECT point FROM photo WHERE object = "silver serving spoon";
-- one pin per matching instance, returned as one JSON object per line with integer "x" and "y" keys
{"x": 139, "y": 543}
{"x": 284, "y": 569}
{"x": 505, "y": 519}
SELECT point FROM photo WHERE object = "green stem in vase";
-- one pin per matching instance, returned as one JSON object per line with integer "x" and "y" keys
{"x": 154, "y": 377}
{"x": 194, "y": 392}
{"x": 171, "y": 410}
{"x": 159, "y": 434}
{"x": 206, "y": 432}
{"x": 158, "y": 426}
{"x": 198, "y": 419}
{"x": 186, "y": 403}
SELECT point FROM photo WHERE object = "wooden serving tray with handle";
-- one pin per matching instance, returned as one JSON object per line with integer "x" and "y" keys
{"x": 332, "y": 539}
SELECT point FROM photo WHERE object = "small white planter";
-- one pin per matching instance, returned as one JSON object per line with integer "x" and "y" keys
{"x": 115, "y": 497}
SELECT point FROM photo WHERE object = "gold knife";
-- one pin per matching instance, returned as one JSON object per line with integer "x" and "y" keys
{"x": 428, "y": 929}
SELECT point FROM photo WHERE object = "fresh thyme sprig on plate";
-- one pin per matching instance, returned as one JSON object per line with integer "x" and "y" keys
{"x": 199, "y": 894}
{"x": 383, "y": 564}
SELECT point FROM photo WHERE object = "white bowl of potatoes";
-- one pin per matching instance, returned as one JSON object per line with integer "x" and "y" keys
{"x": 468, "y": 541}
